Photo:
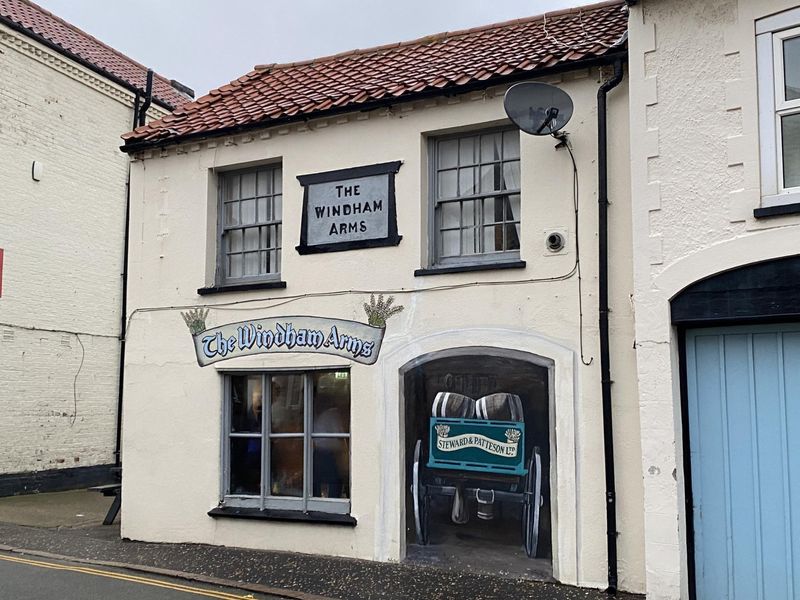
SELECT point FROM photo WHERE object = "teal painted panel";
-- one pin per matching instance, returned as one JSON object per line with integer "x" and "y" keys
{"x": 477, "y": 445}
{"x": 743, "y": 388}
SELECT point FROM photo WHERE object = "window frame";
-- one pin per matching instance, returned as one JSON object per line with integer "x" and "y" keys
{"x": 264, "y": 501}
{"x": 223, "y": 177}
{"x": 487, "y": 258}
{"x": 772, "y": 105}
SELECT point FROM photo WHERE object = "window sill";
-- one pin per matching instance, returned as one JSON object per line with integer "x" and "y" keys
{"x": 270, "y": 514}
{"x": 776, "y": 211}
{"x": 512, "y": 264}
{"x": 242, "y": 287}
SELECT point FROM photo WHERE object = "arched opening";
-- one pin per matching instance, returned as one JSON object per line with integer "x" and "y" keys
{"x": 485, "y": 527}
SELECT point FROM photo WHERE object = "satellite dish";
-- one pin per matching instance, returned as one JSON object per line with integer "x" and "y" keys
{"x": 538, "y": 108}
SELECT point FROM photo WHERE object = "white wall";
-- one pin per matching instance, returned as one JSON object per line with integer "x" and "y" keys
{"x": 63, "y": 240}
{"x": 173, "y": 407}
{"x": 695, "y": 183}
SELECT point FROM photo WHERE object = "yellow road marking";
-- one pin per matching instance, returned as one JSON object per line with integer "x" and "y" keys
{"x": 131, "y": 578}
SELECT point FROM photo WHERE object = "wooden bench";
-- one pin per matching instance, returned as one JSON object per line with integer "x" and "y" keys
{"x": 111, "y": 489}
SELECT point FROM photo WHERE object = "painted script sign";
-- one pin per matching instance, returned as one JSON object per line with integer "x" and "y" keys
{"x": 349, "y": 339}
{"x": 349, "y": 209}
{"x": 477, "y": 445}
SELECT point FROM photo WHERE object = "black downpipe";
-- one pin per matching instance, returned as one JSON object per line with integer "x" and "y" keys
{"x": 605, "y": 369}
{"x": 139, "y": 112}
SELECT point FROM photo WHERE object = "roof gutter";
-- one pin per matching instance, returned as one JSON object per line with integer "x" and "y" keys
{"x": 81, "y": 61}
{"x": 606, "y": 59}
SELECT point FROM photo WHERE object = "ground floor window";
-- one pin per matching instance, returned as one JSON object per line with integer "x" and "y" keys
{"x": 286, "y": 440}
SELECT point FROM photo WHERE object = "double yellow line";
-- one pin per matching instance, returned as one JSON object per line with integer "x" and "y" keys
{"x": 125, "y": 577}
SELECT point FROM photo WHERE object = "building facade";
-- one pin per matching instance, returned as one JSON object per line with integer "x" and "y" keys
{"x": 276, "y": 218}
{"x": 713, "y": 101}
{"x": 62, "y": 230}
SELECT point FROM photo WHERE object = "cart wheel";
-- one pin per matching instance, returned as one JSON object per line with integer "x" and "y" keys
{"x": 530, "y": 515}
{"x": 420, "y": 499}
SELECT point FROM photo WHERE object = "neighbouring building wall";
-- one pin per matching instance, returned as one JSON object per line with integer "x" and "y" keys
{"x": 63, "y": 243}
{"x": 173, "y": 407}
{"x": 695, "y": 182}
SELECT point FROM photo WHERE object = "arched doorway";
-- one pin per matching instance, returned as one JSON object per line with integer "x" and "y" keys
{"x": 477, "y": 537}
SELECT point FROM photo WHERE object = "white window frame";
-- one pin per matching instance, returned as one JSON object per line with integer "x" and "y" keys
{"x": 770, "y": 34}
{"x": 264, "y": 500}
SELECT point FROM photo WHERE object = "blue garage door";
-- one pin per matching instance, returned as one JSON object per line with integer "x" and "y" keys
{"x": 743, "y": 388}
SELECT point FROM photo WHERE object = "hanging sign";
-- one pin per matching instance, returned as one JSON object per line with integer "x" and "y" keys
{"x": 355, "y": 341}
{"x": 477, "y": 445}
{"x": 349, "y": 209}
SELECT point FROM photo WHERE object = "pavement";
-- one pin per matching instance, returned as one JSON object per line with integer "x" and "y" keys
{"x": 29, "y": 527}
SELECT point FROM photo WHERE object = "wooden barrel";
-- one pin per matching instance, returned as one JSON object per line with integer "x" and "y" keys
{"x": 456, "y": 406}
{"x": 500, "y": 407}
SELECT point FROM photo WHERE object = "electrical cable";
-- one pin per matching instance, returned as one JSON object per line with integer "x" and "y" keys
{"x": 75, "y": 383}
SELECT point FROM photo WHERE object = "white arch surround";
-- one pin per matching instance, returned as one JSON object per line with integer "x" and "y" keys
{"x": 400, "y": 353}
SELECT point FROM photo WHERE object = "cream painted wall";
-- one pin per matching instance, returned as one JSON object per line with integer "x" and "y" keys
{"x": 63, "y": 240}
{"x": 173, "y": 407}
{"x": 695, "y": 182}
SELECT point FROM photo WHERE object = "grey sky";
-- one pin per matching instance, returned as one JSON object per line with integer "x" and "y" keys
{"x": 206, "y": 43}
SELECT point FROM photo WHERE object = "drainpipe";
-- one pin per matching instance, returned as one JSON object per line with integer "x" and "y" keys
{"x": 605, "y": 369}
{"x": 139, "y": 114}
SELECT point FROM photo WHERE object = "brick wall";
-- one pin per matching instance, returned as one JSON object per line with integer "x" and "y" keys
{"x": 63, "y": 241}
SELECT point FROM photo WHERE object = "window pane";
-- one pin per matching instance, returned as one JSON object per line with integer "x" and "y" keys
{"x": 492, "y": 210}
{"x": 230, "y": 187}
{"x": 248, "y": 212}
{"x": 493, "y": 238}
{"x": 791, "y": 68}
{"x": 245, "y": 465}
{"x": 510, "y": 144}
{"x": 275, "y": 261}
{"x": 235, "y": 265}
{"x": 248, "y": 185}
{"x": 510, "y": 176}
{"x": 251, "y": 238}
{"x": 232, "y": 213}
{"x": 234, "y": 240}
{"x": 277, "y": 208}
{"x": 277, "y": 182}
{"x": 447, "y": 186}
{"x": 448, "y": 154}
{"x": 450, "y": 243}
{"x": 287, "y": 404}
{"x": 490, "y": 178}
{"x": 466, "y": 181}
{"x": 450, "y": 214}
{"x": 790, "y": 128}
{"x": 250, "y": 264}
{"x": 286, "y": 466}
{"x": 490, "y": 147}
{"x": 512, "y": 208}
{"x": 512, "y": 237}
{"x": 331, "y": 477}
{"x": 264, "y": 186}
{"x": 470, "y": 240}
{"x": 331, "y": 401}
{"x": 468, "y": 209}
{"x": 467, "y": 151}
{"x": 264, "y": 214}
{"x": 246, "y": 402}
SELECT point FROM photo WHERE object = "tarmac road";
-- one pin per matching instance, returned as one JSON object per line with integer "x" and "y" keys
{"x": 31, "y": 578}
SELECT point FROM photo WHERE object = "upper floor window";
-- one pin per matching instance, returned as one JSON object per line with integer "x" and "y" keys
{"x": 778, "y": 51}
{"x": 475, "y": 191}
{"x": 249, "y": 246}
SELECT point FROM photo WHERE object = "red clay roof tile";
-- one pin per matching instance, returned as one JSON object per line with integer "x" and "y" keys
{"x": 393, "y": 72}
{"x": 77, "y": 44}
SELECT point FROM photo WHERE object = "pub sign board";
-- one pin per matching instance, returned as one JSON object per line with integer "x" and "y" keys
{"x": 349, "y": 209}
{"x": 355, "y": 341}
